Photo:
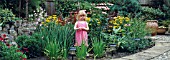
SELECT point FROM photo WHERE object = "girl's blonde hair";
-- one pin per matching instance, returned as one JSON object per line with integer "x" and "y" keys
{"x": 81, "y": 12}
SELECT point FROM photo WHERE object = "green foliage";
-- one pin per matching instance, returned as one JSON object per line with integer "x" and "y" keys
{"x": 166, "y": 9}
{"x": 152, "y": 13}
{"x": 52, "y": 50}
{"x": 62, "y": 34}
{"x": 134, "y": 45}
{"x": 97, "y": 23}
{"x": 10, "y": 52}
{"x": 64, "y": 7}
{"x": 32, "y": 43}
{"x": 124, "y": 7}
{"x": 6, "y": 15}
{"x": 134, "y": 37}
{"x": 81, "y": 51}
{"x": 14, "y": 5}
{"x": 164, "y": 23}
{"x": 98, "y": 47}
{"x": 137, "y": 29}
{"x": 156, "y": 3}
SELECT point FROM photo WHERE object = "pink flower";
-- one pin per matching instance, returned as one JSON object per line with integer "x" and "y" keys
{"x": 1, "y": 39}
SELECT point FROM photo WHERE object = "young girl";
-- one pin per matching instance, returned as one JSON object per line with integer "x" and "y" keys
{"x": 81, "y": 27}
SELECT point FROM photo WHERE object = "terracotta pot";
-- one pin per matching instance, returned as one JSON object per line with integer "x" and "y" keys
{"x": 153, "y": 26}
{"x": 161, "y": 30}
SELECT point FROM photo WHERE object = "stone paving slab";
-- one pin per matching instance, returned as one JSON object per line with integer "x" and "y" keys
{"x": 120, "y": 59}
{"x": 162, "y": 45}
{"x": 137, "y": 57}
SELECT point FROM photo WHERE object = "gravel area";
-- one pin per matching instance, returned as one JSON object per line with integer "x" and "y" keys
{"x": 166, "y": 55}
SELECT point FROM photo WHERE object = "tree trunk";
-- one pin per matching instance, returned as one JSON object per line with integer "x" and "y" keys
{"x": 19, "y": 8}
{"x": 26, "y": 9}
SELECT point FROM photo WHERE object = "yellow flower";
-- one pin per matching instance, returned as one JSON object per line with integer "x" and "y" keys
{"x": 87, "y": 19}
{"x": 56, "y": 21}
{"x": 115, "y": 23}
{"x": 121, "y": 18}
{"x": 97, "y": 19}
{"x": 110, "y": 26}
{"x": 118, "y": 16}
{"x": 110, "y": 21}
{"x": 47, "y": 20}
{"x": 54, "y": 17}
{"x": 127, "y": 19}
{"x": 98, "y": 22}
{"x": 49, "y": 17}
{"x": 109, "y": 30}
{"x": 114, "y": 17}
{"x": 42, "y": 22}
{"x": 116, "y": 27}
{"x": 121, "y": 22}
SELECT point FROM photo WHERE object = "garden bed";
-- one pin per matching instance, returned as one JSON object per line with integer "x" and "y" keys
{"x": 114, "y": 56}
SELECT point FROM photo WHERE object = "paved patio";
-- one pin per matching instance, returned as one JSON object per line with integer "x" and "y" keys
{"x": 161, "y": 50}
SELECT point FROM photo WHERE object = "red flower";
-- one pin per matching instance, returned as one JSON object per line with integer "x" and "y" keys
{"x": 7, "y": 44}
{"x": 18, "y": 46}
{"x": 24, "y": 58}
{"x": 3, "y": 35}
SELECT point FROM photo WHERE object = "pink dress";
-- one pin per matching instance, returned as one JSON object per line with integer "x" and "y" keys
{"x": 81, "y": 35}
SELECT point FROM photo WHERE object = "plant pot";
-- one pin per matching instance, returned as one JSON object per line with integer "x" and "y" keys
{"x": 161, "y": 30}
{"x": 153, "y": 26}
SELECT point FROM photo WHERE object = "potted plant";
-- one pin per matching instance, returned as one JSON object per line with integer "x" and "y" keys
{"x": 161, "y": 30}
{"x": 163, "y": 26}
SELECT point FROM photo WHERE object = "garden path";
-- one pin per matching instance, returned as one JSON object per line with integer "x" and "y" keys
{"x": 161, "y": 50}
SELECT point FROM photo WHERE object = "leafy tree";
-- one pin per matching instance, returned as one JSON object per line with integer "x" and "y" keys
{"x": 19, "y": 6}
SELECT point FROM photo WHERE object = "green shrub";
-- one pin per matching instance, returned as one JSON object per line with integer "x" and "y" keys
{"x": 62, "y": 34}
{"x": 124, "y": 7}
{"x": 135, "y": 45}
{"x": 134, "y": 37}
{"x": 98, "y": 47}
{"x": 10, "y": 52}
{"x": 33, "y": 45}
{"x": 52, "y": 50}
{"x": 150, "y": 13}
{"x": 81, "y": 51}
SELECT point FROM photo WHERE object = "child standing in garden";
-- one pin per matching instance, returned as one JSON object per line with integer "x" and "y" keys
{"x": 81, "y": 27}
